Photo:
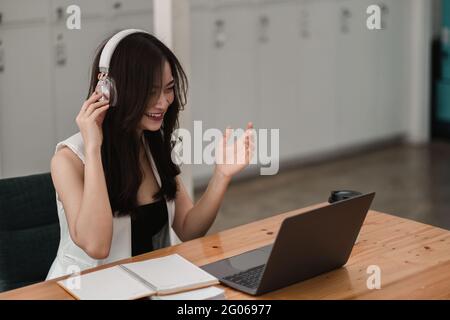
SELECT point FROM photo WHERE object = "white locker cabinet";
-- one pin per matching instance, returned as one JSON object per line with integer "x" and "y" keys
{"x": 72, "y": 55}
{"x": 140, "y": 21}
{"x": 73, "y": 66}
{"x": 224, "y": 89}
{"x": 355, "y": 74}
{"x": 23, "y": 12}
{"x": 125, "y": 14}
{"x": 26, "y": 113}
{"x": 391, "y": 66}
{"x": 202, "y": 70}
{"x": 233, "y": 65}
{"x": 278, "y": 54}
{"x": 45, "y": 69}
{"x": 127, "y": 7}
{"x": 310, "y": 68}
{"x": 99, "y": 21}
{"x": 316, "y": 87}
{"x": 200, "y": 84}
{"x": 88, "y": 9}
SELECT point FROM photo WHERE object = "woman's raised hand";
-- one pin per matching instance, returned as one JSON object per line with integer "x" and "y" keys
{"x": 233, "y": 158}
{"x": 90, "y": 119}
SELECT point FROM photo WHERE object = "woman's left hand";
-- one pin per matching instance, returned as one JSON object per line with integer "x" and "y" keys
{"x": 233, "y": 158}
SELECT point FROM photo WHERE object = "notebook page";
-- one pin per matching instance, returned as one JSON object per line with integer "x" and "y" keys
{"x": 172, "y": 273}
{"x": 107, "y": 284}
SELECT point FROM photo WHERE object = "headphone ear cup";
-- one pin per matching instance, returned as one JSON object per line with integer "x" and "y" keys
{"x": 112, "y": 92}
{"x": 107, "y": 88}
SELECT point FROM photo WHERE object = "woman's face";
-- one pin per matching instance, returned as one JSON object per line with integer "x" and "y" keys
{"x": 154, "y": 114}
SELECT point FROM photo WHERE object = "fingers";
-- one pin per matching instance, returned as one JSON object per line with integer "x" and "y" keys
{"x": 99, "y": 111}
{"x": 94, "y": 106}
{"x": 245, "y": 146}
{"x": 90, "y": 107}
{"x": 248, "y": 131}
{"x": 250, "y": 150}
{"x": 226, "y": 135}
{"x": 241, "y": 150}
{"x": 248, "y": 135}
{"x": 249, "y": 143}
{"x": 93, "y": 98}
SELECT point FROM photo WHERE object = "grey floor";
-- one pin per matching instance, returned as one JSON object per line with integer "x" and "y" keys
{"x": 409, "y": 181}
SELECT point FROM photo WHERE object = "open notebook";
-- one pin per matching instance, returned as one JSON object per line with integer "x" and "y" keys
{"x": 161, "y": 276}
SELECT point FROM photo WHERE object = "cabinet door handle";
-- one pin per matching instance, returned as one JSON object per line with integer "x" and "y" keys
{"x": 384, "y": 8}
{"x": 304, "y": 24}
{"x": 2, "y": 58}
{"x": 60, "y": 51}
{"x": 59, "y": 13}
{"x": 346, "y": 15}
{"x": 220, "y": 36}
{"x": 264, "y": 23}
{"x": 384, "y": 12}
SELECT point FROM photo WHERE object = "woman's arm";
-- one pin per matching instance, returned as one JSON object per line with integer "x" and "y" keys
{"x": 193, "y": 221}
{"x": 83, "y": 193}
{"x": 82, "y": 188}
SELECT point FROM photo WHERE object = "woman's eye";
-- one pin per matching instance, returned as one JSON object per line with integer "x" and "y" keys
{"x": 170, "y": 89}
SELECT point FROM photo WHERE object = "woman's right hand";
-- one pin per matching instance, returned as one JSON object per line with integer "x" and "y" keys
{"x": 90, "y": 120}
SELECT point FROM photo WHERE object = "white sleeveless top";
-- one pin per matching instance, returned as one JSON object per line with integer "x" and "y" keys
{"x": 70, "y": 257}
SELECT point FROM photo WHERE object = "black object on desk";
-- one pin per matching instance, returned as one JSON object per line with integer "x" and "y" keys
{"x": 339, "y": 195}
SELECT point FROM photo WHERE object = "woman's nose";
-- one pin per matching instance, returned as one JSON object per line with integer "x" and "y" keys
{"x": 163, "y": 100}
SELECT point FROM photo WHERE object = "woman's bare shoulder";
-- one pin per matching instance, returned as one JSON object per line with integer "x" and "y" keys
{"x": 66, "y": 159}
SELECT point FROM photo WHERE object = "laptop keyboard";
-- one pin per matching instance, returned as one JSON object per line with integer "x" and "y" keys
{"x": 248, "y": 278}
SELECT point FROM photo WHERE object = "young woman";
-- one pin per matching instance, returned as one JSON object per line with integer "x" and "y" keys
{"x": 117, "y": 189}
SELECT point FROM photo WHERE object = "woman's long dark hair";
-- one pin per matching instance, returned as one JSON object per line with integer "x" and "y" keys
{"x": 136, "y": 67}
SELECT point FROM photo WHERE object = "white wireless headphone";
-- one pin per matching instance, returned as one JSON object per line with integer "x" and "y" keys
{"x": 106, "y": 84}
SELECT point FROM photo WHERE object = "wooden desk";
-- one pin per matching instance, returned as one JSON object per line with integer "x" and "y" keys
{"x": 414, "y": 259}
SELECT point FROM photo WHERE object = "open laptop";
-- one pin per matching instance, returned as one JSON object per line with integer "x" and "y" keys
{"x": 307, "y": 245}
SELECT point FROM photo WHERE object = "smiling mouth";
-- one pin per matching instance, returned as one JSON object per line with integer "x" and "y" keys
{"x": 155, "y": 116}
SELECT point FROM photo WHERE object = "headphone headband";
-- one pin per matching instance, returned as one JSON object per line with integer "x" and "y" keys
{"x": 111, "y": 45}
